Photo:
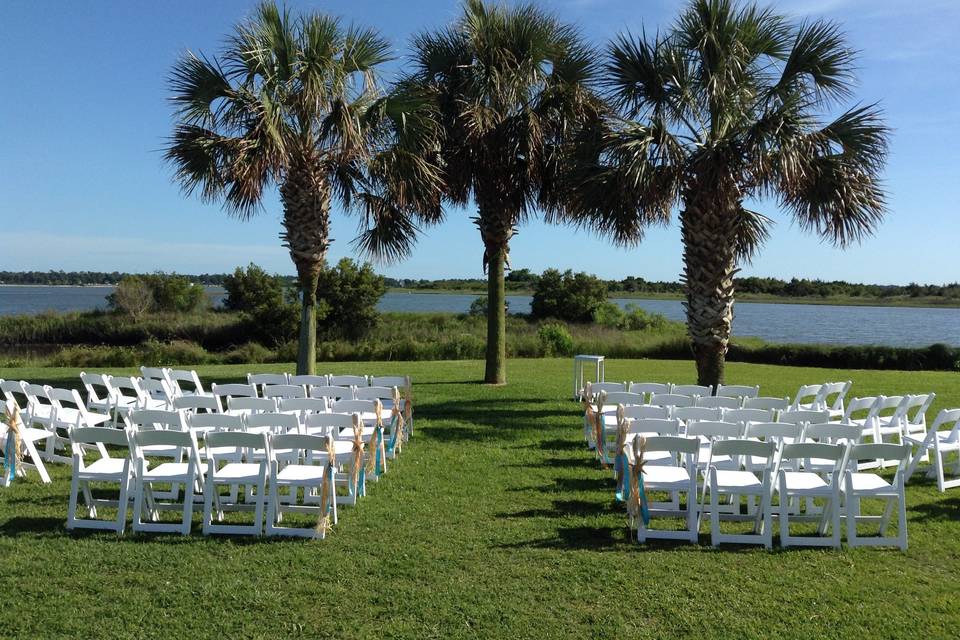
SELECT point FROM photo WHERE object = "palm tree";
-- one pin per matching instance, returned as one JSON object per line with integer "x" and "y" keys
{"x": 509, "y": 86}
{"x": 724, "y": 109}
{"x": 293, "y": 102}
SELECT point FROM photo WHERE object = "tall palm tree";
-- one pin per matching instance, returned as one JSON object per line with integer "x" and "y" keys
{"x": 509, "y": 86}
{"x": 293, "y": 102}
{"x": 725, "y": 108}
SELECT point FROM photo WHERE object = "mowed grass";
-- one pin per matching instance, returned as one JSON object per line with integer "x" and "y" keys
{"x": 494, "y": 523}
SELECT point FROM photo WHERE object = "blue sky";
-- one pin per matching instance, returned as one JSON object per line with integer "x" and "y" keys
{"x": 83, "y": 116}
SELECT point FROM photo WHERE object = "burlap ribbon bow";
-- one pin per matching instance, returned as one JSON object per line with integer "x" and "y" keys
{"x": 325, "y": 521}
{"x": 357, "y": 464}
{"x": 13, "y": 453}
{"x": 637, "y": 502}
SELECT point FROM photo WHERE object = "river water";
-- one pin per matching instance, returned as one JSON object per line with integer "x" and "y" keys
{"x": 795, "y": 323}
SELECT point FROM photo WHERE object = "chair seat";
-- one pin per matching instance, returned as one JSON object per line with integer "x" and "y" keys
{"x": 869, "y": 483}
{"x": 166, "y": 472}
{"x": 103, "y": 468}
{"x": 301, "y": 474}
{"x": 805, "y": 482}
{"x": 70, "y": 416}
{"x": 662, "y": 478}
{"x": 237, "y": 471}
{"x": 944, "y": 440}
{"x": 155, "y": 403}
{"x": 32, "y": 434}
{"x": 737, "y": 480}
{"x": 161, "y": 450}
{"x": 347, "y": 434}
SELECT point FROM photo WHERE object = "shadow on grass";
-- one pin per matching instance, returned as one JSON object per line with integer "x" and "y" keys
{"x": 561, "y": 509}
{"x": 578, "y": 538}
{"x": 942, "y": 509}
{"x": 44, "y": 526}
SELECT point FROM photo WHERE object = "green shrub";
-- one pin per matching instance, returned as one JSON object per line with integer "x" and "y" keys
{"x": 251, "y": 352}
{"x": 132, "y": 296}
{"x": 347, "y": 298}
{"x": 178, "y": 352}
{"x": 556, "y": 339}
{"x": 478, "y": 307}
{"x": 567, "y": 296}
{"x": 251, "y": 288}
{"x": 609, "y": 315}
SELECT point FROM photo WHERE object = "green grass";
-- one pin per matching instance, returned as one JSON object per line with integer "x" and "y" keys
{"x": 495, "y": 522}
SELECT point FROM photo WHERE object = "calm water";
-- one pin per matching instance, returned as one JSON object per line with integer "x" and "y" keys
{"x": 900, "y": 326}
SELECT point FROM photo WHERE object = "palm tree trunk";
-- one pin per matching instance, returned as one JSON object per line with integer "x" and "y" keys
{"x": 496, "y": 228}
{"x": 306, "y": 223}
{"x": 708, "y": 227}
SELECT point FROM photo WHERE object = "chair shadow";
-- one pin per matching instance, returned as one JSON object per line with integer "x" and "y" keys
{"x": 943, "y": 509}
{"x": 561, "y": 509}
{"x": 578, "y": 538}
{"x": 35, "y": 526}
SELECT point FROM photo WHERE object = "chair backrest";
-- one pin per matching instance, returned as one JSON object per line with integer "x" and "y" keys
{"x": 155, "y": 373}
{"x": 97, "y": 386}
{"x": 198, "y": 403}
{"x": 722, "y": 402}
{"x": 323, "y": 423}
{"x": 251, "y": 405}
{"x": 230, "y": 446}
{"x": 271, "y": 423}
{"x": 347, "y": 381}
{"x": 205, "y": 422}
{"x": 692, "y": 390}
{"x": 655, "y": 426}
{"x": 622, "y": 397}
{"x": 608, "y": 387}
{"x": 309, "y": 380}
{"x": 315, "y": 447}
{"x": 303, "y": 405}
{"x": 126, "y": 390}
{"x": 374, "y": 393}
{"x": 649, "y": 388}
{"x": 184, "y": 441}
{"x": 881, "y": 451}
{"x": 400, "y": 382}
{"x": 331, "y": 392}
{"x": 832, "y": 395}
{"x": 283, "y": 391}
{"x": 820, "y": 450}
{"x": 689, "y": 415}
{"x": 948, "y": 420}
{"x": 868, "y": 404}
{"x": 743, "y": 416}
{"x": 259, "y": 379}
{"x": 712, "y": 429}
{"x": 153, "y": 419}
{"x": 779, "y": 432}
{"x": 806, "y": 397}
{"x": 66, "y": 401}
{"x": 100, "y": 436}
{"x": 185, "y": 382}
{"x": 832, "y": 432}
{"x": 354, "y": 406}
{"x": 888, "y": 407}
{"x": 803, "y": 416}
{"x": 737, "y": 391}
{"x": 766, "y": 402}
{"x": 156, "y": 388}
{"x": 37, "y": 394}
{"x": 672, "y": 444}
{"x": 233, "y": 390}
{"x": 10, "y": 389}
{"x": 915, "y": 409}
{"x": 736, "y": 447}
{"x": 672, "y": 400}
{"x": 637, "y": 412}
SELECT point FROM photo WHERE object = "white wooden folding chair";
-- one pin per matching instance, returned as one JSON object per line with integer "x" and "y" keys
{"x": 860, "y": 486}
{"x": 29, "y": 437}
{"x": 608, "y": 403}
{"x": 39, "y": 407}
{"x": 232, "y": 390}
{"x": 331, "y": 394}
{"x": 307, "y": 380}
{"x": 185, "y": 382}
{"x": 672, "y": 400}
{"x": 249, "y": 406}
{"x": 807, "y": 398}
{"x": 719, "y": 402}
{"x": 155, "y": 394}
{"x": 915, "y": 414}
{"x": 69, "y": 411}
{"x": 106, "y": 469}
{"x": 404, "y": 385}
{"x": 737, "y": 391}
{"x": 647, "y": 389}
{"x": 767, "y": 402}
{"x": 371, "y": 415}
{"x": 803, "y": 416}
{"x": 281, "y": 391}
{"x": 607, "y": 387}
{"x": 746, "y": 416}
{"x": 675, "y": 478}
{"x": 159, "y": 373}
{"x": 733, "y": 482}
{"x": 260, "y": 380}
{"x": 707, "y": 432}
{"x": 690, "y": 415}
{"x": 692, "y": 390}
{"x": 189, "y": 473}
{"x": 127, "y": 398}
{"x": 302, "y": 407}
{"x": 99, "y": 393}
{"x": 158, "y": 420}
{"x": 197, "y": 404}
{"x": 831, "y": 397}
{"x": 314, "y": 469}
{"x": 347, "y": 381}
{"x": 350, "y": 468}
{"x": 942, "y": 439}
{"x": 235, "y": 459}
{"x": 794, "y": 485}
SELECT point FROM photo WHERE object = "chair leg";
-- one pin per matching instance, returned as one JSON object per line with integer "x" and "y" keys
{"x": 138, "y": 504}
{"x": 122, "y": 506}
{"x": 208, "y": 491}
{"x": 187, "y": 507}
{"x": 37, "y": 461}
{"x": 72, "y": 504}
{"x": 766, "y": 504}
{"x": 853, "y": 510}
{"x": 258, "y": 508}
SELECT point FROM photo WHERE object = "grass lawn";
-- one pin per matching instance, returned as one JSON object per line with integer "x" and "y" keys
{"x": 495, "y": 522}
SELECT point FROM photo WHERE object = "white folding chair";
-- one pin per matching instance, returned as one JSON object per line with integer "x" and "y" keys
{"x": 942, "y": 439}
{"x": 404, "y": 384}
{"x": 373, "y": 434}
{"x": 737, "y": 391}
{"x": 766, "y": 402}
{"x": 794, "y": 484}
{"x": 99, "y": 392}
{"x": 106, "y": 469}
{"x": 331, "y": 394}
{"x": 302, "y": 407}
{"x": 158, "y": 373}
{"x": 39, "y": 407}
{"x": 69, "y": 411}
{"x": 314, "y": 469}
{"x": 803, "y": 416}
{"x": 197, "y": 404}
{"x": 189, "y": 473}
{"x": 719, "y": 402}
{"x": 347, "y": 381}
{"x": 674, "y": 478}
{"x": 155, "y": 394}
{"x": 890, "y": 416}
{"x": 226, "y": 391}
{"x": 807, "y": 398}
{"x": 185, "y": 382}
{"x": 733, "y": 483}
{"x": 235, "y": 459}
{"x": 127, "y": 398}
{"x": 308, "y": 380}
{"x": 281, "y": 391}
{"x": 249, "y": 406}
{"x": 860, "y": 486}
{"x": 692, "y": 390}
{"x": 708, "y": 432}
{"x": 350, "y": 468}
{"x": 915, "y": 414}
{"x": 746, "y": 416}
{"x": 672, "y": 400}
{"x": 831, "y": 397}
{"x": 260, "y": 380}
{"x": 647, "y": 389}
{"x": 29, "y": 437}
{"x": 690, "y": 415}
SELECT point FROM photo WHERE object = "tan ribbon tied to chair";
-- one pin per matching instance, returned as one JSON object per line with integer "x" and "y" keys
{"x": 378, "y": 410}
{"x": 408, "y": 402}
{"x": 635, "y": 470}
{"x": 622, "y": 427}
{"x": 325, "y": 521}
{"x": 598, "y": 436}
{"x": 357, "y": 463}
{"x": 12, "y": 419}
{"x": 396, "y": 417}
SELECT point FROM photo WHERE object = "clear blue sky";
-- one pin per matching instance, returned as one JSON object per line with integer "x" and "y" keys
{"x": 83, "y": 115}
